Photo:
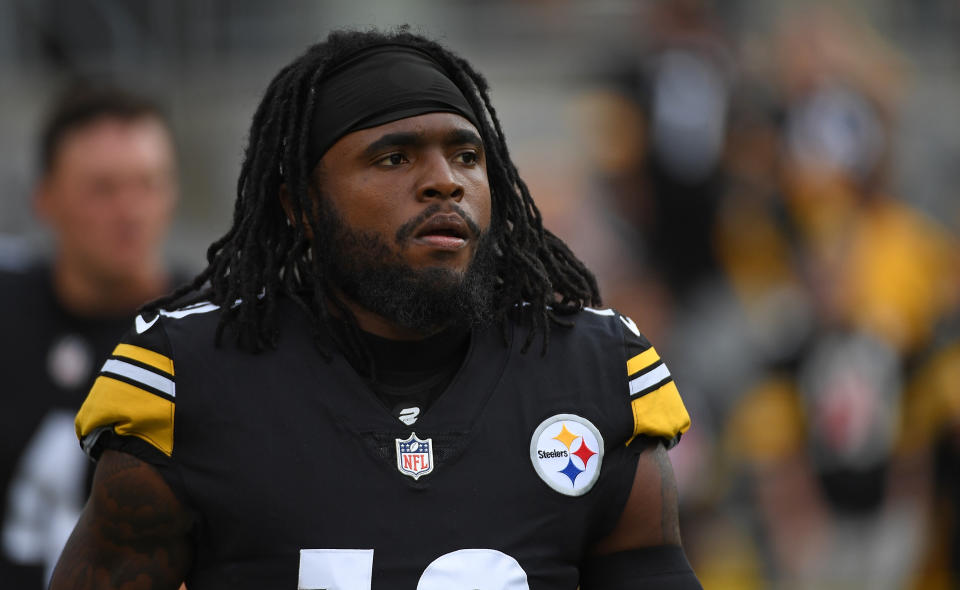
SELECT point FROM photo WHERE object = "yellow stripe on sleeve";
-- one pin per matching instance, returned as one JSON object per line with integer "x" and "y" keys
{"x": 130, "y": 410}
{"x": 147, "y": 357}
{"x": 642, "y": 361}
{"x": 660, "y": 413}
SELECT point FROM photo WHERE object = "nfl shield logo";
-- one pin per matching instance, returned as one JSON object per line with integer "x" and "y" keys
{"x": 415, "y": 456}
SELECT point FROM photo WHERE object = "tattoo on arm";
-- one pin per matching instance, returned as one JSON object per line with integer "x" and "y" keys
{"x": 133, "y": 533}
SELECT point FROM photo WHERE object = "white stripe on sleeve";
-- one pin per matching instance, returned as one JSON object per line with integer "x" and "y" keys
{"x": 646, "y": 380}
{"x": 140, "y": 375}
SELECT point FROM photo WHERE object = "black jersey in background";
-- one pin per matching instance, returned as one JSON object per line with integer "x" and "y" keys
{"x": 48, "y": 359}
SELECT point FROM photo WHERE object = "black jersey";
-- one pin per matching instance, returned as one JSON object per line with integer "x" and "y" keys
{"x": 48, "y": 359}
{"x": 302, "y": 478}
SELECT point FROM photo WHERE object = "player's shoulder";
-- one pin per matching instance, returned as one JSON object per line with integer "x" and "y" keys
{"x": 648, "y": 385}
{"x": 585, "y": 328}
{"x": 614, "y": 331}
{"x": 136, "y": 390}
{"x": 163, "y": 331}
{"x": 192, "y": 319}
{"x": 11, "y": 277}
{"x": 153, "y": 337}
{"x": 20, "y": 281}
{"x": 608, "y": 326}
{"x": 609, "y": 317}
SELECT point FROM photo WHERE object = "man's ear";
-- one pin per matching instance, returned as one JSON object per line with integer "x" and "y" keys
{"x": 288, "y": 210}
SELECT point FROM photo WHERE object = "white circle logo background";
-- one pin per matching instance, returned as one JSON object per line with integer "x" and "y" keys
{"x": 70, "y": 361}
{"x": 566, "y": 451}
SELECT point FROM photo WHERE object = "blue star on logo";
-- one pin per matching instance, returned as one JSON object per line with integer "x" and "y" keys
{"x": 571, "y": 471}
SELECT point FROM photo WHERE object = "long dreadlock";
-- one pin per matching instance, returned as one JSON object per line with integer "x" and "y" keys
{"x": 263, "y": 255}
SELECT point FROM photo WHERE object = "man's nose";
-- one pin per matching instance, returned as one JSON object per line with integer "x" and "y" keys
{"x": 439, "y": 180}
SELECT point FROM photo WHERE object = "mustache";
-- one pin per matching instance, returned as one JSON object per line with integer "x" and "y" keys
{"x": 406, "y": 230}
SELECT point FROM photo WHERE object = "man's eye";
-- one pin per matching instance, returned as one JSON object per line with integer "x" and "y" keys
{"x": 393, "y": 160}
{"x": 468, "y": 157}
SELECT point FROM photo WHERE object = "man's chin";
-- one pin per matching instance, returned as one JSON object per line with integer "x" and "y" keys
{"x": 114, "y": 270}
{"x": 443, "y": 277}
{"x": 419, "y": 293}
{"x": 425, "y": 300}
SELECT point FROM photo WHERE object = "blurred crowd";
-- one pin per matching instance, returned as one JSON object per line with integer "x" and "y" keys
{"x": 810, "y": 313}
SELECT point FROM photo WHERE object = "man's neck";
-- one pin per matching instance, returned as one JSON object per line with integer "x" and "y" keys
{"x": 87, "y": 294}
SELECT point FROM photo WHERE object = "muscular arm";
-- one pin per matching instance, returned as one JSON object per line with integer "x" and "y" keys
{"x": 133, "y": 533}
{"x": 650, "y": 517}
{"x": 643, "y": 550}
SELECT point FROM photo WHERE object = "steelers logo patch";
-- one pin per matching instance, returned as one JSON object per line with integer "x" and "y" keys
{"x": 566, "y": 451}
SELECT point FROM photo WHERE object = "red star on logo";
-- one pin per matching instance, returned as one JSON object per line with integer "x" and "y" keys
{"x": 584, "y": 452}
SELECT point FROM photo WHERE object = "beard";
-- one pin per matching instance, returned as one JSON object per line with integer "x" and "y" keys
{"x": 364, "y": 267}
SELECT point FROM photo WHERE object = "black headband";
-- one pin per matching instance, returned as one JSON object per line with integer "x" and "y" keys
{"x": 379, "y": 85}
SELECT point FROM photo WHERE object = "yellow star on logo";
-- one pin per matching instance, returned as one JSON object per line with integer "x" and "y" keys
{"x": 566, "y": 437}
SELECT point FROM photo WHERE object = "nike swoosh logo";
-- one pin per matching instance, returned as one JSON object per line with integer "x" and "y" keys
{"x": 630, "y": 325}
{"x": 143, "y": 326}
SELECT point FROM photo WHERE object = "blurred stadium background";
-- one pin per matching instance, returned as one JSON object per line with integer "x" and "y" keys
{"x": 769, "y": 188}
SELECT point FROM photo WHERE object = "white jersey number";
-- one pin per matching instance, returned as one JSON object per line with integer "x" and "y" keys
{"x": 466, "y": 569}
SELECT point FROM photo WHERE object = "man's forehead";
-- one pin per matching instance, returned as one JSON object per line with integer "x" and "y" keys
{"x": 379, "y": 85}
{"x": 429, "y": 123}
{"x": 446, "y": 128}
{"x": 116, "y": 139}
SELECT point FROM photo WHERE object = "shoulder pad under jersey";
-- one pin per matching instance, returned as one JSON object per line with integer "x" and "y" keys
{"x": 135, "y": 391}
{"x": 655, "y": 402}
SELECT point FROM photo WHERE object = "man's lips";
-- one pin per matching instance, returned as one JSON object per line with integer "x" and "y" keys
{"x": 444, "y": 231}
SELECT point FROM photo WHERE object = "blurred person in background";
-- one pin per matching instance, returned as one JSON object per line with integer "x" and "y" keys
{"x": 656, "y": 130}
{"x": 839, "y": 482}
{"x": 656, "y": 136}
{"x": 809, "y": 293}
{"x": 932, "y": 415}
{"x": 106, "y": 189}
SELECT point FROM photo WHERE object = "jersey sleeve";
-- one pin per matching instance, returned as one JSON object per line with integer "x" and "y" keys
{"x": 134, "y": 394}
{"x": 655, "y": 402}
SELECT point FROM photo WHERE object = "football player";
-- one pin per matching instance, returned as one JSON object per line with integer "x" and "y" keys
{"x": 390, "y": 375}
{"x": 106, "y": 189}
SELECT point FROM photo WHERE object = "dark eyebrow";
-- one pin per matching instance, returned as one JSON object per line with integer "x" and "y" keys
{"x": 412, "y": 139}
{"x": 462, "y": 136}
{"x": 392, "y": 140}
